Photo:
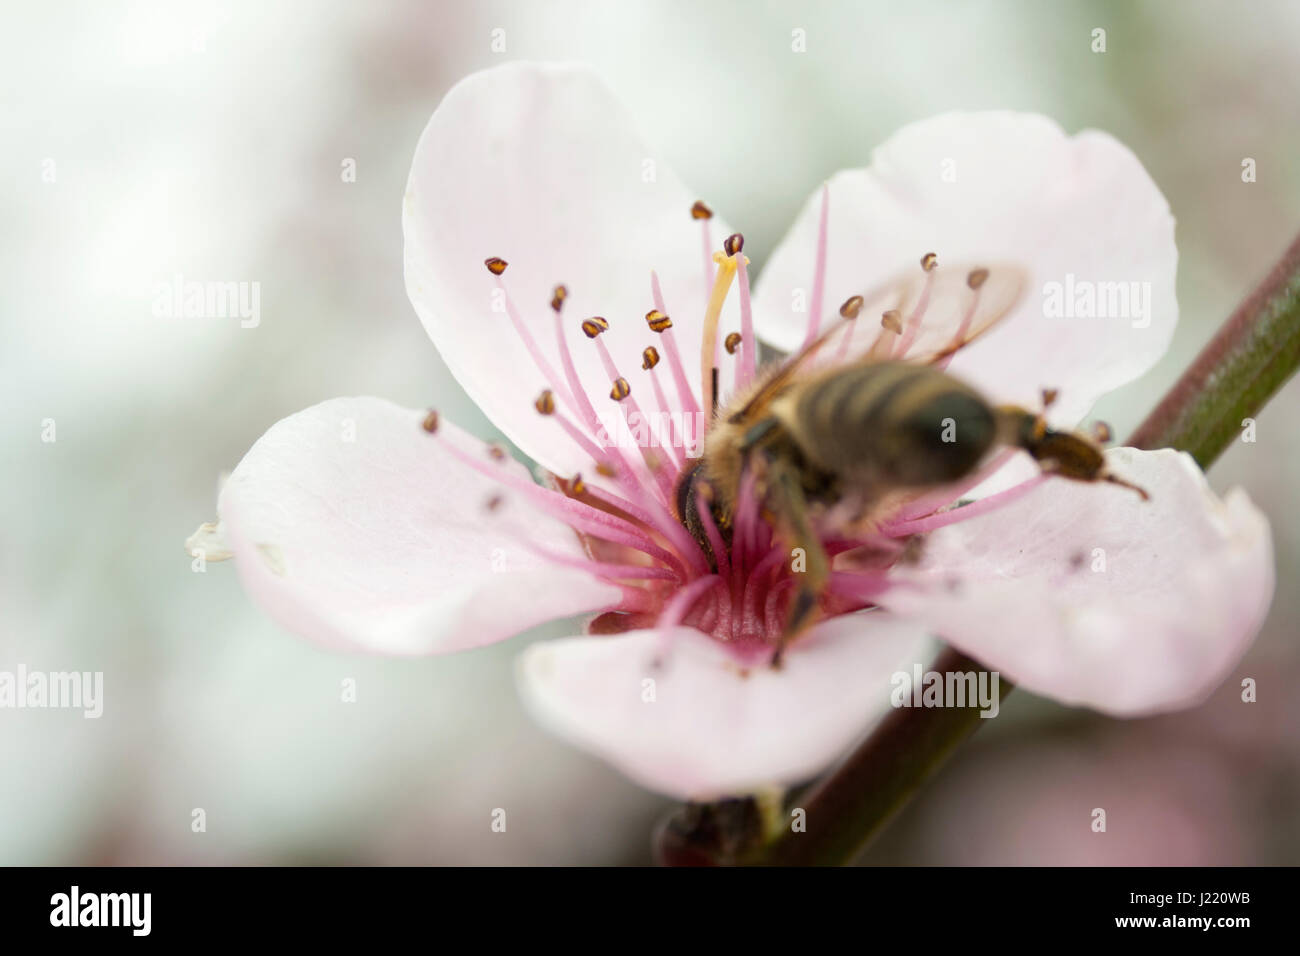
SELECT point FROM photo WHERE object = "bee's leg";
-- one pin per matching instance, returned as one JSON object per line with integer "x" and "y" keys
{"x": 1066, "y": 454}
{"x": 785, "y": 497}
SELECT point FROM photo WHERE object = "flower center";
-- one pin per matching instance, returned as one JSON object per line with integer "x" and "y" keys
{"x": 647, "y": 526}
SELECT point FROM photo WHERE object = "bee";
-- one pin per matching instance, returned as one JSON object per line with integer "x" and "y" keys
{"x": 841, "y": 440}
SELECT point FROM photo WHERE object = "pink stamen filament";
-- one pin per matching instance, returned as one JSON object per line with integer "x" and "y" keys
{"x": 930, "y": 501}
{"x": 676, "y": 437}
{"x": 745, "y": 541}
{"x": 598, "y": 455}
{"x": 603, "y": 569}
{"x": 539, "y": 359}
{"x": 575, "y": 513}
{"x": 960, "y": 335}
{"x": 586, "y": 409}
{"x": 771, "y": 624}
{"x": 599, "y": 568}
{"x": 914, "y": 320}
{"x": 686, "y": 546}
{"x": 965, "y": 512}
{"x": 757, "y": 577}
{"x": 859, "y": 585}
{"x": 714, "y": 535}
{"x": 682, "y": 601}
{"x": 884, "y": 343}
{"x": 662, "y": 522}
{"x": 622, "y": 463}
{"x": 845, "y": 339}
{"x": 635, "y": 599}
{"x": 629, "y": 407}
{"x": 684, "y": 391}
{"x": 709, "y": 617}
{"x": 724, "y": 626}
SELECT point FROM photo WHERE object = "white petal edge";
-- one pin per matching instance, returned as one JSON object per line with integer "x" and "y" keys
{"x": 714, "y": 729}
{"x": 989, "y": 187}
{"x": 1087, "y": 594}
{"x": 353, "y": 526}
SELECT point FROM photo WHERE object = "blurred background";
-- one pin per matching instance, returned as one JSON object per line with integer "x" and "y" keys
{"x": 141, "y": 140}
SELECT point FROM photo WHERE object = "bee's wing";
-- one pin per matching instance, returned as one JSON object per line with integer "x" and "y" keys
{"x": 924, "y": 327}
{"x": 837, "y": 344}
{"x": 921, "y": 328}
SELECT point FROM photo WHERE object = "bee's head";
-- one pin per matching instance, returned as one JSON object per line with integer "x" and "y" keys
{"x": 1067, "y": 454}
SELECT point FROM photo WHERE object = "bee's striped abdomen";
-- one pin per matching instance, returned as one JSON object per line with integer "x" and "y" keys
{"x": 893, "y": 423}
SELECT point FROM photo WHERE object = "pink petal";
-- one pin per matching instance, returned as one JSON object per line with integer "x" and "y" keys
{"x": 1024, "y": 193}
{"x": 1186, "y": 582}
{"x": 713, "y": 729}
{"x": 540, "y": 166}
{"x": 382, "y": 543}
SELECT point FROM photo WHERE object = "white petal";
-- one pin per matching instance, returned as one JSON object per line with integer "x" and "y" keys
{"x": 700, "y": 726}
{"x": 1088, "y": 594}
{"x": 353, "y": 526}
{"x": 986, "y": 188}
{"x": 541, "y": 166}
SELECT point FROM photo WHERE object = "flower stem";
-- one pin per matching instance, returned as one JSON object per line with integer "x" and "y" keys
{"x": 1253, "y": 354}
{"x": 853, "y": 803}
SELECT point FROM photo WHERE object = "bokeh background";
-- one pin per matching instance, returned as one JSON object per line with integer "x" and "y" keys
{"x": 207, "y": 139}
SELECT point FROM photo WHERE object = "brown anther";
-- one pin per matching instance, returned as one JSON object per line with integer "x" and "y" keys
{"x": 733, "y": 244}
{"x": 578, "y": 486}
{"x": 496, "y": 453}
{"x": 732, "y": 342}
{"x": 701, "y": 211}
{"x": 593, "y": 326}
{"x": 977, "y": 277}
{"x": 621, "y": 390}
{"x": 493, "y": 503}
{"x": 929, "y": 261}
{"x": 851, "y": 307}
{"x": 558, "y": 296}
{"x": 1049, "y": 397}
{"x": 545, "y": 403}
{"x": 496, "y": 266}
{"x": 657, "y": 321}
{"x": 1101, "y": 432}
{"x": 606, "y": 469}
{"x": 430, "y": 423}
{"x": 893, "y": 320}
{"x": 649, "y": 358}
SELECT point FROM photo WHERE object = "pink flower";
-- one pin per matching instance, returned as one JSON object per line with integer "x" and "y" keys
{"x": 352, "y": 524}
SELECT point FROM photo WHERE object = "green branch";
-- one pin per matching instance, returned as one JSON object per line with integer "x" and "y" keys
{"x": 1250, "y": 358}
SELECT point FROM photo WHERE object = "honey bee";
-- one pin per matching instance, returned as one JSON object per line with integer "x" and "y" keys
{"x": 841, "y": 440}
